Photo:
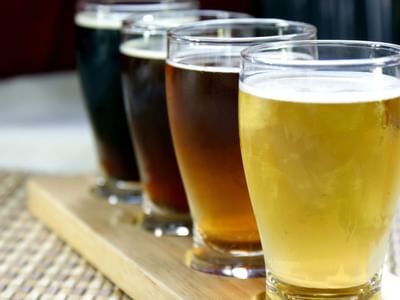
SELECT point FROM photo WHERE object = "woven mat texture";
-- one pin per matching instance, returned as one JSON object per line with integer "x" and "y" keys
{"x": 35, "y": 263}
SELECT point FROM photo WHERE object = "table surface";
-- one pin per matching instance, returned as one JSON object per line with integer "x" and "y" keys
{"x": 44, "y": 129}
{"x": 36, "y": 264}
{"x": 43, "y": 125}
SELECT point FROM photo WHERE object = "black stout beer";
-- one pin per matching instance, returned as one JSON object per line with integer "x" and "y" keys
{"x": 100, "y": 72}
{"x": 144, "y": 88}
{"x": 98, "y": 25}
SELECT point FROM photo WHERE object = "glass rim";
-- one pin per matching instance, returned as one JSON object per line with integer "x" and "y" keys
{"x": 178, "y": 33}
{"x": 141, "y": 6}
{"x": 138, "y": 22}
{"x": 249, "y": 54}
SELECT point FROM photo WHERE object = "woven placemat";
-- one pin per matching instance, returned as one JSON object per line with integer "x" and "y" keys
{"x": 35, "y": 263}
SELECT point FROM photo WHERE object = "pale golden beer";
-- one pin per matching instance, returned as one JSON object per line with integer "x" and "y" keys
{"x": 322, "y": 161}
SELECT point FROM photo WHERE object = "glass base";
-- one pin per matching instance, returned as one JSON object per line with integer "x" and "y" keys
{"x": 238, "y": 264}
{"x": 117, "y": 191}
{"x": 162, "y": 222}
{"x": 278, "y": 290}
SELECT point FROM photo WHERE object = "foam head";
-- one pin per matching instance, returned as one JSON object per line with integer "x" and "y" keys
{"x": 322, "y": 87}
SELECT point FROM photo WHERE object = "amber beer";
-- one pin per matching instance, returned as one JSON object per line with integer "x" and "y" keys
{"x": 144, "y": 88}
{"x": 203, "y": 114}
{"x": 321, "y": 156}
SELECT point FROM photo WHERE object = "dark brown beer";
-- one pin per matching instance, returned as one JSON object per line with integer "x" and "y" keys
{"x": 144, "y": 88}
{"x": 203, "y": 115}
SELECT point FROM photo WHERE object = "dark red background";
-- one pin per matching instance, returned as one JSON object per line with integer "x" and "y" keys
{"x": 38, "y": 36}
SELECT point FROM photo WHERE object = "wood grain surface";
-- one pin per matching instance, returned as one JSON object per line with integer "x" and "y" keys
{"x": 144, "y": 266}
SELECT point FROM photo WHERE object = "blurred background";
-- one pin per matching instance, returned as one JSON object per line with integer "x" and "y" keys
{"x": 43, "y": 124}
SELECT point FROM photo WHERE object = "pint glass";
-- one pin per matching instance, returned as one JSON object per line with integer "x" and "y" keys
{"x": 202, "y": 75}
{"x": 320, "y": 140}
{"x": 144, "y": 49}
{"x": 98, "y": 25}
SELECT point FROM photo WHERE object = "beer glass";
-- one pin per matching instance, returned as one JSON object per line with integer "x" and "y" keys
{"x": 144, "y": 49}
{"x": 320, "y": 140}
{"x": 202, "y": 74}
{"x": 98, "y": 25}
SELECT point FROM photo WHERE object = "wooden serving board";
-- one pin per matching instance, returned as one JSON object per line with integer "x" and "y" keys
{"x": 144, "y": 266}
